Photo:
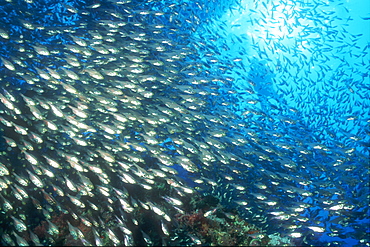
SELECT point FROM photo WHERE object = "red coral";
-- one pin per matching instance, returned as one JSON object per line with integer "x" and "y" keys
{"x": 59, "y": 220}
{"x": 194, "y": 220}
{"x": 41, "y": 230}
{"x": 196, "y": 223}
{"x": 220, "y": 228}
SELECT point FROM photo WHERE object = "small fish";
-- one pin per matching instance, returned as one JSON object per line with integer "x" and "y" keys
{"x": 98, "y": 240}
{"x": 35, "y": 179}
{"x": 112, "y": 236}
{"x": 56, "y": 110}
{"x": 30, "y": 158}
{"x": 7, "y": 206}
{"x": 41, "y": 50}
{"x": 164, "y": 229}
{"x": 6, "y": 102}
{"x": 7, "y": 63}
{"x": 20, "y": 226}
{"x": 21, "y": 191}
{"x": 3, "y": 170}
{"x": 20, "y": 241}
{"x": 76, "y": 201}
{"x": 4, "y": 34}
{"x": 20, "y": 129}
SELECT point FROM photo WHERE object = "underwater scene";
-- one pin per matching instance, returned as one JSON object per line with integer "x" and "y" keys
{"x": 184, "y": 123}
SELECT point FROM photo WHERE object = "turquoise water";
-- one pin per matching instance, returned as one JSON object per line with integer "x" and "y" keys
{"x": 317, "y": 55}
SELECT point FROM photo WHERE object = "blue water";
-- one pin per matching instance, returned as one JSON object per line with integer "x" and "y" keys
{"x": 304, "y": 61}
{"x": 318, "y": 58}
{"x": 316, "y": 62}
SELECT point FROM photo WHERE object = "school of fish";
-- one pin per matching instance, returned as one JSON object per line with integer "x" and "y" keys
{"x": 104, "y": 102}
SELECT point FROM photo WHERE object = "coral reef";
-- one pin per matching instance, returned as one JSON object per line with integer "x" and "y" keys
{"x": 204, "y": 222}
{"x": 214, "y": 225}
